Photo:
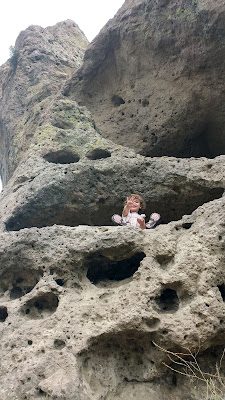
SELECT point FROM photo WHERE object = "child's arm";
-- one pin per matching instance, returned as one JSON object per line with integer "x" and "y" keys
{"x": 141, "y": 222}
{"x": 126, "y": 208}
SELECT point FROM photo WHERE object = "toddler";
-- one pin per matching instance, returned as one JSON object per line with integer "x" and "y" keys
{"x": 130, "y": 215}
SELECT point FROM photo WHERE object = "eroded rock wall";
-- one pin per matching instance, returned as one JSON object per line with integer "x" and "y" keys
{"x": 84, "y": 305}
{"x": 41, "y": 62}
{"x": 154, "y": 78}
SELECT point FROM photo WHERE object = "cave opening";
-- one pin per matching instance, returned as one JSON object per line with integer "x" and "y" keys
{"x": 100, "y": 268}
{"x": 196, "y": 146}
{"x": 207, "y": 142}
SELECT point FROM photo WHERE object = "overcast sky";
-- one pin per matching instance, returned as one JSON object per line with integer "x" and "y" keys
{"x": 17, "y": 15}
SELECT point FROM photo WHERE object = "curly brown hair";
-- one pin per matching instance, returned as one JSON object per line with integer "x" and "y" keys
{"x": 136, "y": 196}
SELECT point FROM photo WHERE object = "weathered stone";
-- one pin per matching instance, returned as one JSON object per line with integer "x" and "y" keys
{"x": 89, "y": 191}
{"x": 42, "y": 61}
{"x": 91, "y": 312}
{"x": 154, "y": 78}
{"x": 102, "y": 333}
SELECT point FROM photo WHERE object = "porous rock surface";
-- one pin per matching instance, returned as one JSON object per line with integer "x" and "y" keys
{"x": 154, "y": 77}
{"x": 42, "y": 60}
{"x": 84, "y": 305}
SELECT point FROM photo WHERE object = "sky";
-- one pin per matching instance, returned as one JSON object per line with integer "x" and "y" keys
{"x": 17, "y": 15}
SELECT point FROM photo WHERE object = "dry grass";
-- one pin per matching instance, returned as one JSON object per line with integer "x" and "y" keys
{"x": 187, "y": 364}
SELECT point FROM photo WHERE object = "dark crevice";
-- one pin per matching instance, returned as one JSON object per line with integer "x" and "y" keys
{"x": 59, "y": 344}
{"x": 61, "y": 157}
{"x": 18, "y": 283}
{"x": 168, "y": 301}
{"x": 60, "y": 282}
{"x": 196, "y": 146}
{"x": 41, "y": 393}
{"x": 117, "y": 100}
{"x": 208, "y": 142}
{"x": 187, "y": 225}
{"x": 222, "y": 291}
{"x": 100, "y": 268}
{"x": 164, "y": 259}
{"x": 3, "y": 314}
{"x": 41, "y": 306}
{"x": 97, "y": 154}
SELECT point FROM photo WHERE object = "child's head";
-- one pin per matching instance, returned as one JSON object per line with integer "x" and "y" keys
{"x": 139, "y": 198}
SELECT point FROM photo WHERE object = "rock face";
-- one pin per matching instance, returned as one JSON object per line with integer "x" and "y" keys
{"x": 91, "y": 311}
{"x": 154, "y": 78}
{"x": 41, "y": 62}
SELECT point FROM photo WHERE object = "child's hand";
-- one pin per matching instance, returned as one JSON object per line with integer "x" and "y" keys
{"x": 129, "y": 203}
{"x": 141, "y": 222}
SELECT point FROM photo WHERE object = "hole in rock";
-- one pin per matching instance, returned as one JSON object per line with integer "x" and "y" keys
{"x": 18, "y": 283}
{"x": 168, "y": 301}
{"x": 152, "y": 323}
{"x": 61, "y": 157}
{"x": 41, "y": 306}
{"x": 187, "y": 225}
{"x": 3, "y": 314}
{"x": 222, "y": 291}
{"x": 98, "y": 153}
{"x": 16, "y": 293}
{"x": 117, "y": 100}
{"x": 145, "y": 103}
{"x": 100, "y": 268}
{"x": 59, "y": 344}
{"x": 129, "y": 353}
{"x": 164, "y": 259}
{"x": 41, "y": 393}
{"x": 60, "y": 282}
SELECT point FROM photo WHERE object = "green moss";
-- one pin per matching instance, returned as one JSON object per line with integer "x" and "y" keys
{"x": 66, "y": 115}
{"x": 182, "y": 14}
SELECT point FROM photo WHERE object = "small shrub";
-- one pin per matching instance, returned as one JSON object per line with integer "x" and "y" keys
{"x": 14, "y": 54}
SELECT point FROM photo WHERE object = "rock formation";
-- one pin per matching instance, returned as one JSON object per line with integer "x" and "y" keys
{"x": 41, "y": 62}
{"x": 88, "y": 310}
{"x": 154, "y": 78}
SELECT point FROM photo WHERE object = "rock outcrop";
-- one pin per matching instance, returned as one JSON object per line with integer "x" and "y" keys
{"x": 91, "y": 311}
{"x": 41, "y": 62}
{"x": 154, "y": 78}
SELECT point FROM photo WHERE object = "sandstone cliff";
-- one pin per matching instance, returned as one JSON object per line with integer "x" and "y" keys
{"x": 84, "y": 304}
